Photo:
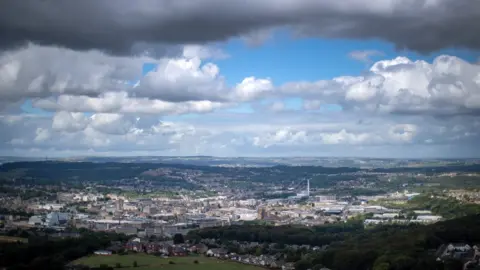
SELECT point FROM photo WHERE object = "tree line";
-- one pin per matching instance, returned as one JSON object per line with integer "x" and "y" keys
{"x": 392, "y": 247}
{"x": 42, "y": 252}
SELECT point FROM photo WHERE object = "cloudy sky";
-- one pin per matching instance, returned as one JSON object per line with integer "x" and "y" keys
{"x": 384, "y": 78}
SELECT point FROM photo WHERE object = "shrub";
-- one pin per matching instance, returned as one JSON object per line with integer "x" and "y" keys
{"x": 104, "y": 266}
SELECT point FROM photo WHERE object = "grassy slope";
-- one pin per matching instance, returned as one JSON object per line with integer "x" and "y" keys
{"x": 146, "y": 262}
{"x": 13, "y": 239}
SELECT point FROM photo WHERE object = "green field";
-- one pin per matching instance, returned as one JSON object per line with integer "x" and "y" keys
{"x": 148, "y": 262}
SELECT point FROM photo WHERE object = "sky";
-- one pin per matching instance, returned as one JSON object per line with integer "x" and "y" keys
{"x": 352, "y": 78}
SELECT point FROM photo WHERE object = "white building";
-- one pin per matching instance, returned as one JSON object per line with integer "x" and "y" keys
{"x": 35, "y": 220}
{"x": 326, "y": 198}
{"x": 356, "y": 209}
{"x": 130, "y": 207}
{"x": 386, "y": 216}
{"x": 248, "y": 202}
{"x": 244, "y": 214}
{"x": 429, "y": 218}
{"x": 422, "y": 212}
{"x": 51, "y": 206}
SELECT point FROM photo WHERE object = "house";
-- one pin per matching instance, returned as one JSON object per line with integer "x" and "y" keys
{"x": 164, "y": 248}
{"x": 115, "y": 247}
{"x": 476, "y": 255}
{"x": 126, "y": 230}
{"x": 152, "y": 248}
{"x": 64, "y": 235}
{"x": 455, "y": 250}
{"x": 276, "y": 264}
{"x": 178, "y": 251}
{"x": 103, "y": 252}
{"x": 459, "y": 247}
{"x": 135, "y": 246}
{"x": 138, "y": 239}
{"x": 216, "y": 252}
{"x": 288, "y": 266}
{"x": 199, "y": 248}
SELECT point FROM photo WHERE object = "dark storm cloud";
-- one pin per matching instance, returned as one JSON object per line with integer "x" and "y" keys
{"x": 449, "y": 25}
{"x": 116, "y": 26}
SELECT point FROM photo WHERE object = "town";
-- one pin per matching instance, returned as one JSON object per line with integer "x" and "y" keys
{"x": 164, "y": 220}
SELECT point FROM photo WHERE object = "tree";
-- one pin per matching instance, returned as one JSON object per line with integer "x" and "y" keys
{"x": 411, "y": 215}
{"x": 451, "y": 264}
{"x": 403, "y": 262}
{"x": 302, "y": 265}
{"x": 178, "y": 239}
{"x": 259, "y": 251}
{"x": 382, "y": 266}
{"x": 381, "y": 263}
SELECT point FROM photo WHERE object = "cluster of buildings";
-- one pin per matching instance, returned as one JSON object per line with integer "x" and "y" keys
{"x": 168, "y": 248}
{"x": 79, "y": 197}
{"x": 51, "y": 220}
{"x": 392, "y": 216}
{"x": 469, "y": 196}
{"x": 469, "y": 255}
{"x": 166, "y": 216}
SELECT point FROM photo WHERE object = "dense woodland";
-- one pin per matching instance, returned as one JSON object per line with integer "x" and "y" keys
{"x": 352, "y": 247}
{"x": 43, "y": 253}
{"x": 290, "y": 235}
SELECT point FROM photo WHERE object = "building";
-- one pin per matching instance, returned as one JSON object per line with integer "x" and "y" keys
{"x": 163, "y": 216}
{"x": 386, "y": 216}
{"x": 53, "y": 219}
{"x": 51, "y": 206}
{"x": 150, "y": 210}
{"x": 36, "y": 220}
{"x": 103, "y": 252}
{"x": 199, "y": 248}
{"x": 262, "y": 213}
{"x": 326, "y": 198}
{"x": 57, "y": 219}
{"x": 244, "y": 214}
{"x": 65, "y": 197}
{"x": 333, "y": 211}
{"x": 119, "y": 205}
{"x": 429, "y": 218}
{"x": 127, "y": 230}
{"x": 209, "y": 221}
{"x": 157, "y": 231}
